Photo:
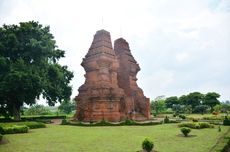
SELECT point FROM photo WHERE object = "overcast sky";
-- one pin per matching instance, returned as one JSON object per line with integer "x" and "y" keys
{"x": 181, "y": 45}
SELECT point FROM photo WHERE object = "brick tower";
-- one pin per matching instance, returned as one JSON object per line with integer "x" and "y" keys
{"x": 100, "y": 97}
{"x": 110, "y": 91}
{"x": 136, "y": 103}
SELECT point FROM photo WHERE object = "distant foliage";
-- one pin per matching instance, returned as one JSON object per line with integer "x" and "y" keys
{"x": 147, "y": 145}
{"x": 67, "y": 107}
{"x": 201, "y": 109}
{"x": 37, "y": 110}
{"x": 182, "y": 116}
{"x": 196, "y": 125}
{"x": 185, "y": 131}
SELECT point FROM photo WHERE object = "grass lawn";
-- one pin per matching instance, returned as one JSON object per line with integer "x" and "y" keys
{"x": 57, "y": 138}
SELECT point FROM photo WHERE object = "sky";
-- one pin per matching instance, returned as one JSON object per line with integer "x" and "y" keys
{"x": 182, "y": 46}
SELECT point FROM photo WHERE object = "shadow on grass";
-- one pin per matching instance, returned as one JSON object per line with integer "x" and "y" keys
{"x": 189, "y": 136}
{"x": 4, "y": 141}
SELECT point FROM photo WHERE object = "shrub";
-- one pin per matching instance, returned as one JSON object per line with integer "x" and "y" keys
{"x": 215, "y": 113}
{"x": 1, "y": 137}
{"x": 147, "y": 145}
{"x": 103, "y": 123}
{"x": 31, "y": 125}
{"x": 226, "y": 121}
{"x": 205, "y": 125}
{"x": 34, "y": 125}
{"x": 129, "y": 122}
{"x": 219, "y": 129}
{"x": 182, "y": 116}
{"x": 15, "y": 129}
{"x": 166, "y": 120}
{"x": 196, "y": 125}
{"x": 64, "y": 122}
{"x": 185, "y": 131}
{"x": 1, "y": 130}
{"x": 194, "y": 119}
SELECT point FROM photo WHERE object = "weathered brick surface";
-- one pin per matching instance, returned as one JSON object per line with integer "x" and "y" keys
{"x": 109, "y": 92}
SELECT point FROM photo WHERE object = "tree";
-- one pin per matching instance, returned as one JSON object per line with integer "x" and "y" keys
{"x": 29, "y": 68}
{"x": 225, "y": 107}
{"x": 183, "y": 100}
{"x": 211, "y": 99}
{"x": 158, "y": 106}
{"x": 201, "y": 109}
{"x": 177, "y": 108}
{"x": 194, "y": 99}
{"x": 170, "y": 101}
{"x": 67, "y": 107}
{"x": 37, "y": 110}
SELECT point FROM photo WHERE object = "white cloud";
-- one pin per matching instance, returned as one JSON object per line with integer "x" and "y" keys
{"x": 180, "y": 45}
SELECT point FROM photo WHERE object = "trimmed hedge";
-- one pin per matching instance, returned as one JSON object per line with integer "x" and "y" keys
{"x": 32, "y": 118}
{"x": 106, "y": 123}
{"x": 31, "y": 125}
{"x": 196, "y": 125}
{"x": 15, "y": 129}
{"x": 226, "y": 121}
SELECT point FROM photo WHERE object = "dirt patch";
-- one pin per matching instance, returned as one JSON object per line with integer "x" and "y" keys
{"x": 4, "y": 141}
{"x": 56, "y": 121}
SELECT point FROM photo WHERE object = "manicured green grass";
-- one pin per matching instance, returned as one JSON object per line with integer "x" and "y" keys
{"x": 56, "y": 138}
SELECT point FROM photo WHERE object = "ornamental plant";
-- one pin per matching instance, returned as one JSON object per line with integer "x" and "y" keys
{"x": 147, "y": 145}
{"x": 185, "y": 131}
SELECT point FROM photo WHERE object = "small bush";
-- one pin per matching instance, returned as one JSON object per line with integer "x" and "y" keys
{"x": 1, "y": 137}
{"x": 205, "y": 125}
{"x": 147, "y": 145}
{"x": 226, "y": 121}
{"x": 194, "y": 119}
{"x": 64, "y": 122}
{"x": 103, "y": 123}
{"x": 219, "y": 129}
{"x": 215, "y": 113}
{"x": 129, "y": 122}
{"x": 15, "y": 129}
{"x": 182, "y": 116}
{"x": 166, "y": 120}
{"x": 196, "y": 125}
{"x": 185, "y": 131}
{"x": 1, "y": 130}
{"x": 34, "y": 125}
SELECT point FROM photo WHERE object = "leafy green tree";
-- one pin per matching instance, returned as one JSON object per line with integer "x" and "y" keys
{"x": 67, "y": 107}
{"x": 217, "y": 108}
{"x": 37, "y": 110}
{"x": 225, "y": 107}
{"x": 177, "y": 108}
{"x": 183, "y": 100}
{"x": 29, "y": 68}
{"x": 194, "y": 99}
{"x": 201, "y": 109}
{"x": 170, "y": 101}
{"x": 158, "y": 106}
{"x": 211, "y": 99}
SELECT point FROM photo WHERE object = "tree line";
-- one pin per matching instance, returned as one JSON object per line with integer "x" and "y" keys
{"x": 194, "y": 102}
